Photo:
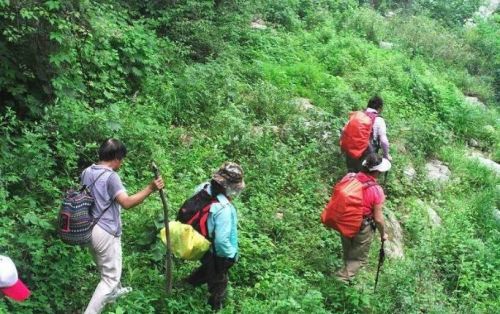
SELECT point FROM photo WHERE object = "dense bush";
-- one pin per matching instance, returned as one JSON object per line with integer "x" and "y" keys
{"x": 190, "y": 84}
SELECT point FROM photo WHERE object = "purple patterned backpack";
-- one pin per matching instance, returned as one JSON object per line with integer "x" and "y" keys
{"x": 75, "y": 217}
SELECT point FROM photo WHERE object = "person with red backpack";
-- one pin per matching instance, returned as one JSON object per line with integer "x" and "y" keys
{"x": 217, "y": 220}
{"x": 365, "y": 133}
{"x": 355, "y": 210}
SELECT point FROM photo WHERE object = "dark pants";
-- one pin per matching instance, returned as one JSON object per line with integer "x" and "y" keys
{"x": 355, "y": 164}
{"x": 214, "y": 271}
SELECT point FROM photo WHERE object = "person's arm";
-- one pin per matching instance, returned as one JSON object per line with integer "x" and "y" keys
{"x": 382, "y": 137}
{"x": 130, "y": 201}
{"x": 379, "y": 220}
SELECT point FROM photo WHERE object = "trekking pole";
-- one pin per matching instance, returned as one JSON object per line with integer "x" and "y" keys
{"x": 385, "y": 177}
{"x": 168, "y": 262}
{"x": 381, "y": 257}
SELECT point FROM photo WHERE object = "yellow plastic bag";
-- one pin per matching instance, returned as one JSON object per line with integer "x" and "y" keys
{"x": 186, "y": 242}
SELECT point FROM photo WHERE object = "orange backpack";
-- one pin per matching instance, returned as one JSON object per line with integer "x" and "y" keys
{"x": 356, "y": 135}
{"x": 344, "y": 211}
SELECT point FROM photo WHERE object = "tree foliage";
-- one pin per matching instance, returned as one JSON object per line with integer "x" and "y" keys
{"x": 191, "y": 84}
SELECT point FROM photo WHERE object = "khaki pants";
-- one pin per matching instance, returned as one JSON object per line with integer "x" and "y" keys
{"x": 107, "y": 252}
{"x": 355, "y": 253}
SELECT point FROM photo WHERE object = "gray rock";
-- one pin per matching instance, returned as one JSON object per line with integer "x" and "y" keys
{"x": 275, "y": 129}
{"x": 488, "y": 9}
{"x": 437, "y": 171}
{"x": 257, "y": 131}
{"x": 434, "y": 218}
{"x": 258, "y": 24}
{"x": 410, "y": 172}
{"x": 390, "y": 14}
{"x": 473, "y": 143}
{"x": 186, "y": 139}
{"x": 475, "y": 102}
{"x": 386, "y": 45}
{"x": 393, "y": 246}
{"x": 279, "y": 215}
{"x": 488, "y": 163}
{"x": 304, "y": 104}
{"x": 496, "y": 214}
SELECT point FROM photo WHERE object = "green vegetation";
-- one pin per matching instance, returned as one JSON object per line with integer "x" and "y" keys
{"x": 190, "y": 84}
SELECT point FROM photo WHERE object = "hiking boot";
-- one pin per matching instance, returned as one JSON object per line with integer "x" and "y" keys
{"x": 118, "y": 292}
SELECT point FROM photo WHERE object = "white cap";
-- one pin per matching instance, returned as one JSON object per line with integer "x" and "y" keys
{"x": 10, "y": 284}
{"x": 8, "y": 272}
{"x": 384, "y": 166}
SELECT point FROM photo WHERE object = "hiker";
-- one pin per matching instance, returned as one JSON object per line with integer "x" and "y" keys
{"x": 10, "y": 284}
{"x": 356, "y": 249}
{"x": 222, "y": 221}
{"x": 365, "y": 133}
{"x": 110, "y": 195}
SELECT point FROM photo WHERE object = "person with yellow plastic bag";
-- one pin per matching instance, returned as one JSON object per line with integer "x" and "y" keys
{"x": 211, "y": 215}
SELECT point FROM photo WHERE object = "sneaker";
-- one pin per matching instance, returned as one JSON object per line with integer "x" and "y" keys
{"x": 118, "y": 292}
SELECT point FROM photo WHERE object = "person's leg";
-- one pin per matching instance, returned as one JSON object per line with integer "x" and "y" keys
{"x": 107, "y": 253}
{"x": 342, "y": 274}
{"x": 218, "y": 278}
{"x": 199, "y": 275}
{"x": 359, "y": 251}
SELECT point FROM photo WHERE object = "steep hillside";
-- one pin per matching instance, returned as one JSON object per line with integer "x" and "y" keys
{"x": 268, "y": 84}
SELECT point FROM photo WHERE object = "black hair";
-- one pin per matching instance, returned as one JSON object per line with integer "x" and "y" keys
{"x": 375, "y": 102}
{"x": 112, "y": 149}
{"x": 371, "y": 161}
{"x": 217, "y": 188}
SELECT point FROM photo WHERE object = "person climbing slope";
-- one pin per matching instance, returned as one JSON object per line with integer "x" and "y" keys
{"x": 355, "y": 210}
{"x": 365, "y": 133}
{"x": 221, "y": 225}
{"x": 110, "y": 196}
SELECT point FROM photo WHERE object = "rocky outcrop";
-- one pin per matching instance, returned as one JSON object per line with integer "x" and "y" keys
{"x": 437, "y": 171}
{"x": 475, "y": 102}
{"x": 303, "y": 104}
{"x": 386, "y": 45}
{"x": 490, "y": 164}
{"x": 394, "y": 246}
{"x": 434, "y": 218}
{"x": 410, "y": 172}
{"x": 258, "y": 24}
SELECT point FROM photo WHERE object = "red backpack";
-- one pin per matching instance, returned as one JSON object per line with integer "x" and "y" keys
{"x": 357, "y": 132}
{"x": 344, "y": 211}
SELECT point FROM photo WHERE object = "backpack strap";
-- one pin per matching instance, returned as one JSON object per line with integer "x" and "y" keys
{"x": 92, "y": 184}
{"x": 89, "y": 186}
{"x": 367, "y": 182}
{"x": 372, "y": 115}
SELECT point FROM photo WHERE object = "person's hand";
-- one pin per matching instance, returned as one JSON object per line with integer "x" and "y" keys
{"x": 157, "y": 184}
{"x": 385, "y": 237}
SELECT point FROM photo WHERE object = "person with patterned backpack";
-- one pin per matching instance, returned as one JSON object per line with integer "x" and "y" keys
{"x": 355, "y": 211}
{"x": 364, "y": 133}
{"x": 212, "y": 213}
{"x": 110, "y": 197}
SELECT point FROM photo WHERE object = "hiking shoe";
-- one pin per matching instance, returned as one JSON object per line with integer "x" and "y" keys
{"x": 118, "y": 292}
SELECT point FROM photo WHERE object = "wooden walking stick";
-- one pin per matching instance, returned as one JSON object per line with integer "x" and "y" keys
{"x": 168, "y": 262}
{"x": 381, "y": 257}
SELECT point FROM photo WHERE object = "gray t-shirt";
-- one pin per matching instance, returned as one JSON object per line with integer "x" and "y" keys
{"x": 105, "y": 190}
